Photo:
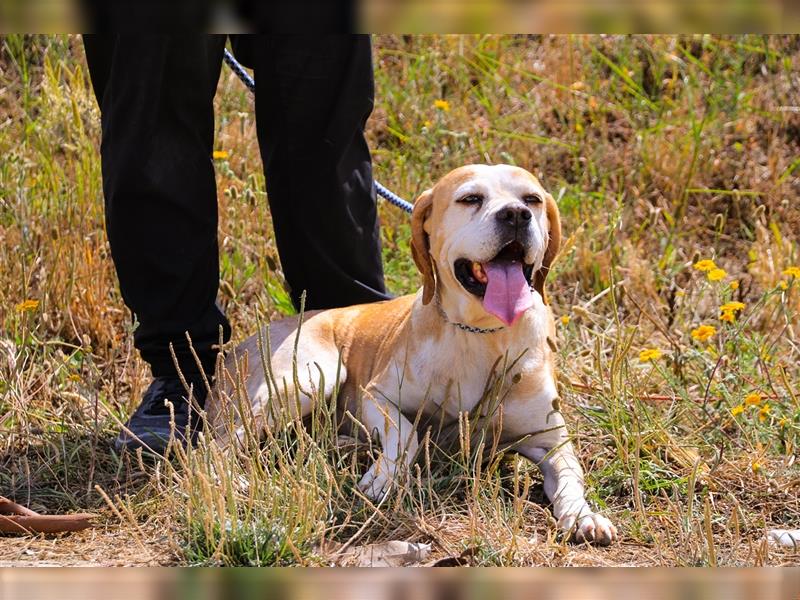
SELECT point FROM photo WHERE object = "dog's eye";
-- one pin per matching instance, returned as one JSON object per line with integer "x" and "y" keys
{"x": 532, "y": 199}
{"x": 471, "y": 199}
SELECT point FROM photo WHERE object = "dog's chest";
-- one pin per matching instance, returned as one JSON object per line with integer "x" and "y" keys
{"x": 457, "y": 370}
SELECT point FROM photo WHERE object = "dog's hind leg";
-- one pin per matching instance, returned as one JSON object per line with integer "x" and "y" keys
{"x": 270, "y": 391}
{"x": 296, "y": 379}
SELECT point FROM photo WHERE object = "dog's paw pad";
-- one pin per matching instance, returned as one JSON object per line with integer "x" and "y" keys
{"x": 375, "y": 483}
{"x": 591, "y": 528}
{"x": 595, "y": 529}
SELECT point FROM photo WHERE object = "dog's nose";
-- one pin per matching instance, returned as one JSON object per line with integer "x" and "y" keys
{"x": 514, "y": 215}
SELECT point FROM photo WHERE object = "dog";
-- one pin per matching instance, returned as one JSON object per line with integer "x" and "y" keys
{"x": 484, "y": 238}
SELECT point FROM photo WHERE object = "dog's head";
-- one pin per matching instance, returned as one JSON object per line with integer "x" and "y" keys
{"x": 482, "y": 237}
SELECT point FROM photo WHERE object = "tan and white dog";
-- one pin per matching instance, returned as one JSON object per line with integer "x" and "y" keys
{"x": 484, "y": 238}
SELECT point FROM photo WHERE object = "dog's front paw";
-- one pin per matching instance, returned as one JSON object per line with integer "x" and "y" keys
{"x": 376, "y": 482}
{"x": 591, "y": 527}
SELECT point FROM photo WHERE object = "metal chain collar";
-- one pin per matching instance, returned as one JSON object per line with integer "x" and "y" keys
{"x": 464, "y": 326}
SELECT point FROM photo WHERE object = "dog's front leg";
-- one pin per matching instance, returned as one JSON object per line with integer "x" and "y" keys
{"x": 399, "y": 444}
{"x": 563, "y": 484}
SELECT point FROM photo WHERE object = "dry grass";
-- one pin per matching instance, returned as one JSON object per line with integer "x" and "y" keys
{"x": 661, "y": 151}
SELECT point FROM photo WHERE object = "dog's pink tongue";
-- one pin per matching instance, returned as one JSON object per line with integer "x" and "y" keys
{"x": 508, "y": 294}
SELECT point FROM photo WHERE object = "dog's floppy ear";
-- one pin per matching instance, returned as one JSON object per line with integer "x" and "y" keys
{"x": 420, "y": 245}
{"x": 554, "y": 232}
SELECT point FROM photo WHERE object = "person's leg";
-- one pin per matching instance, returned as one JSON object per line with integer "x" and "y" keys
{"x": 156, "y": 101}
{"x": 313, "y": 97}
{"x": 155, "y": 95}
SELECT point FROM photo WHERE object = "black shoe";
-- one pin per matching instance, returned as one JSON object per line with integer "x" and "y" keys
{"x": 149, "y": 427}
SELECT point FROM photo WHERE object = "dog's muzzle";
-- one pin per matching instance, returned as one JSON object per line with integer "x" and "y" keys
{"x": 502, "y": 283}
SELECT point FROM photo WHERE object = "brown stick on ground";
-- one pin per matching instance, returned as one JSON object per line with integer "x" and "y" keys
{"x": 15, "y": 518}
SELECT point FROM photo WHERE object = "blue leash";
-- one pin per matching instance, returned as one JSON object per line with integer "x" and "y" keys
{"x": 385, "y": 193}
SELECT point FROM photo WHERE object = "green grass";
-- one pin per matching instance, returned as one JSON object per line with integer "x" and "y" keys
{"x": 660, "y": 151}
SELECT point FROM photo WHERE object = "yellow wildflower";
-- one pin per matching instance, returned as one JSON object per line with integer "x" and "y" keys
{"x": 763, "y": 413}
{"x": 734, "y": 285}
{"x": 705, "y": 265}
{"x": 732, "y": 306}
{"x": 717, "y": 275}
{"x": 442, "y": 105}
{"x": 565, "y": 320}
{"x": 27, "y": 305}
{"x": 737, "y": 410}
{"x": 704, "y": 332}
{"x": 680, "y": 294}
{"x": 729, "y": 310}
{"x": 792, "y": 272}
{"x": 753, "y": 399}
{"x": 427, "y": 124}
{"x": 649, "y": 354}
{"x": 756, "y": 466}
{"x": 220, "y": 154}
{"x": 783, "y": 422}
{"x": 783, "y": 285}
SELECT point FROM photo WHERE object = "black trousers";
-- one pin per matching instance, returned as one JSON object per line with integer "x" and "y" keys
{"x": 313, "y": 97}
